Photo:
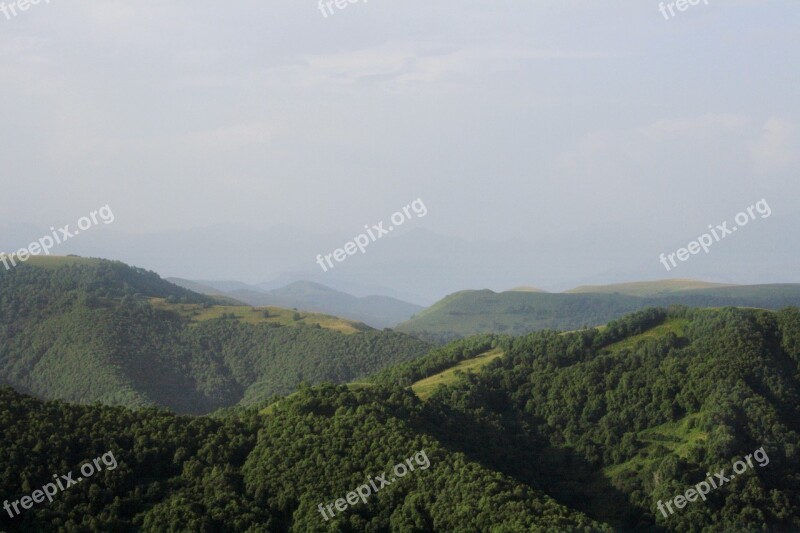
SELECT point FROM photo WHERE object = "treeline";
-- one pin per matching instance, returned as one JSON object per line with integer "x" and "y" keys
{"x": 164, "y": 462}
{"x": 88, "y": 333}
{"x": 437, "y": 360}
{"x": 653, "y": 418}
{"x": 566, "y": 432}
{"x": 516, "y": 313}
{"x": 256, "y": 474}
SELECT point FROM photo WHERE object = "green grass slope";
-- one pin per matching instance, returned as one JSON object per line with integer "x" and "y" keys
{"x": 425, "y": 387}
{"x": 648, "y": 288}
{"x": 196, "y": 313}
{"x": 377, "y": 311}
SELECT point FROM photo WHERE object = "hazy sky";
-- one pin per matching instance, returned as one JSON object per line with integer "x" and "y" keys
{"x": 523, "y": 121}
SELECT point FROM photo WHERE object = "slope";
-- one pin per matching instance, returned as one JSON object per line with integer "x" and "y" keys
{"x": 472, "y": 312}
{"x": 648, "y": 288}
{"x": 376, "y": 311}
{"x": 583, "y": 431}
{"x": 648, "y": 413}
{"x": 97, "y": 330}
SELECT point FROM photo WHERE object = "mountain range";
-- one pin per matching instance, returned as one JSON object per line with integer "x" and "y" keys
{"x": 517, "y": 312}
{"x": 591, "y": 430}
{"x": 421, "y": 266}
{"x": 91, "y": 330}
{"x": 374, "y": 310}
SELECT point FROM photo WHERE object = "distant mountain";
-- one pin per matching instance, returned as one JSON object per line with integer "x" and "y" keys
{"x": 196, "y": 286}
{"x": 219, "y": 296}
{"x": 420, "y": 266}
{"x": 470, "y": 312}
{"x": 91, "y": 330}
{"x": 376, "y": 311}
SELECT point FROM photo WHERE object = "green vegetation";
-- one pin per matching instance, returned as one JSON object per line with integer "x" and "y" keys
{"x": 550, "y": 431}
{"x": 676, "y": 326}
{"x": 566, "y": 432}
{"x": 424, "y": 387}
{"x": 648, "y": 288}
{"x": 472, "y": 312}
{"x": 100, "y": 331}
{"x": 438, "y": 360}
{"x": 56, "y": 261}
{"x": 679, "y": 437}
{"x": 639, "y": 421}
{"x": 377, "y": 311}
{"x": 259, "y": 315}
{"x": 258, "y": 474}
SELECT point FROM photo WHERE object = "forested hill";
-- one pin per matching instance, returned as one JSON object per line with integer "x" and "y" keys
{"x": 617, "y": 419}
{"x": 86, "y": 330}
{"x": 471, "y": 312}
{"x": 584, "y": 431}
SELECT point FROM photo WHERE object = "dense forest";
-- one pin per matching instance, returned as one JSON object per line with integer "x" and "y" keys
{"x": 612, "y": 426}
{"x": 583, "y": 431}
{"x": 88, "y": 332}
{"x": 558, "y": 431}
{"x": 248, "y": 472}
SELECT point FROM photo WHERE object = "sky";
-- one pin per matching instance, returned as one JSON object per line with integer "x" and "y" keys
{"x": 601, "y": 132}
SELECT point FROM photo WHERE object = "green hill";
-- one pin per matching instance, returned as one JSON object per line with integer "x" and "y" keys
{"x": 525, "y": 288}
{"x": 648, "y": 288}
{"x": 196, "y": 313}
{"x": 99, "y": 331}
{"x": 377, "y": 311}
{"x": 580, "y": 431}
{"x": 471, "y": 312}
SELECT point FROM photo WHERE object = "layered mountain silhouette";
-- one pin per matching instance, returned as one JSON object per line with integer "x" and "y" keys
{"x": 376, "y": 311}
{"x": 91, "y": 330}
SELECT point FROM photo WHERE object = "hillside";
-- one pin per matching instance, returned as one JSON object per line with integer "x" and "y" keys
{"x": 376, "y": 311}
{"x": 425, "y": 387}
{"x": 583, "y": 431}
{"x": 471, "y": 312}
{"x": 648, "y": 288}
{"x": 196, "y": 313}
{"x": 99, "y": 331}
{"x": 525, "y": 288}
{"x": 676, "y": 394}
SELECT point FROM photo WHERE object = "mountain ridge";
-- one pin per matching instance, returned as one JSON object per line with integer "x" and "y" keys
{"x": 467, "y": 313}
{"x": 96, "y": 330}
{"x": 375, "y": 310}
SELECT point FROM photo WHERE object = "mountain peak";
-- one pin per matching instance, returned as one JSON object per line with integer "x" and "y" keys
{"x": 525, "y": 288}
